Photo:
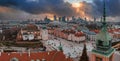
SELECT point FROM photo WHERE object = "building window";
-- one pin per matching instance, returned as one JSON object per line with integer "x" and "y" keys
{"x": 37, "y": 60}
{"x": 32, "y": 60}
{"x": 43, "y": 60}
{"x": 14, "y": 59}
{"x": 98, "y": 59}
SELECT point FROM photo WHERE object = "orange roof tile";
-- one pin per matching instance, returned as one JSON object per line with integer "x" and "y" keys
{"x": 68, "y": 31}
{"x": 48, "y": 56}
{"x": 113, "y": 30}
{"x": 78, "y": 34}
{"x": 96, "y": 31}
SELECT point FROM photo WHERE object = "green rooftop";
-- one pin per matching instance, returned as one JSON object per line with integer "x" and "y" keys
{"x": 104, "y": 53}
{"x": 103, "y": 43}
{"x": 104, "y": 35}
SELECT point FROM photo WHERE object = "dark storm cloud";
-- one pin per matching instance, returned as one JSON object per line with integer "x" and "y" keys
{"x": 58, "y": 7}
{"x": 112, "y": 7}
{"x": 95, "y": 9}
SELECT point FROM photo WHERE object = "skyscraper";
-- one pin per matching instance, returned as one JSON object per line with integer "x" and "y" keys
{"x": 73, "y": 18}
{"x": 55, "y": 18}
{"x": 60, "y": 19}
{"x": 64, "y": 19}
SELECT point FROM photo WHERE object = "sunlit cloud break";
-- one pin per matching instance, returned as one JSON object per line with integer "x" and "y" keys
{"x": 69, "y": 8}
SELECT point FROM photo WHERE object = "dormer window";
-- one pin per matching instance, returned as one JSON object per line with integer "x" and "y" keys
{"x": 100, "y": 43}
{"x": 110, "y": 43}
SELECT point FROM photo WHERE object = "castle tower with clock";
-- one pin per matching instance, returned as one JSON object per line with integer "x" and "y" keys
{"x": 103, "y": 50}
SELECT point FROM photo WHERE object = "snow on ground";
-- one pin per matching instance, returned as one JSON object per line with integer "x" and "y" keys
{"x": 70, "y": 49}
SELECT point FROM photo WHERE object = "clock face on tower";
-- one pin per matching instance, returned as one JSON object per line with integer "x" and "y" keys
{"x": 98, "y": 59}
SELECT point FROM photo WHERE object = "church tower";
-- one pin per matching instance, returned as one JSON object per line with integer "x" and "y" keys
{"x": 103, "y": 50}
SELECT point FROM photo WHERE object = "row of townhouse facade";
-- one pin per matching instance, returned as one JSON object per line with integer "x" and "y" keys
{"x": 40, "y": 34}
{"x": 68, "y": 34}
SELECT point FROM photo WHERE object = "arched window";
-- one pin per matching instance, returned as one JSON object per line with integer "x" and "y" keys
{"x": 37, "y": 60}
{"x": 43, "y": 60}
{"x": 14, "y": 59}
{"x": 32, "y": 60}
{"x": 100, "y": 43}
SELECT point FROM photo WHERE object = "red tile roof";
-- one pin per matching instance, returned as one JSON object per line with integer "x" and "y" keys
{"x": 48, "y": 56}
{"x": 113, "y": 30}
{"x": 96, "y": 31}
{"x": 68, "y": 31}
{"x": 110, "y": 31}
{"x": 78, "y": 34}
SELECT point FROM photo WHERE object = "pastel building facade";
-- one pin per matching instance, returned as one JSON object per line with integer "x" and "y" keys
{"x": 68, "y": 34}
{"x": 32, "y": 34}
{"x": 44, "y": 34}
{"x": 90, "y": 35}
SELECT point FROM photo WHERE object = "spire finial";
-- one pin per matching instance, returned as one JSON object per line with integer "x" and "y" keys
{"x": 60, "y": 47}
{"x": 104, "y": 11}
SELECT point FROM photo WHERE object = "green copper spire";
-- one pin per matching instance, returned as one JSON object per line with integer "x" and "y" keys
{"x": 104, "y": 35}
{"x": 103, "y": 38}
{"x": 104, "y": 12}
{"x": 103, "y": 41}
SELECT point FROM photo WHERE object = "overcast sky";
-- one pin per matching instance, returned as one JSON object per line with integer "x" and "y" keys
{"x": 38, "y": 9}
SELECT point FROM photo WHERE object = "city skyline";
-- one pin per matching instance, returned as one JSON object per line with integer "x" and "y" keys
{"x": 38, "y": 9}
{"x": 59, "y": 30}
